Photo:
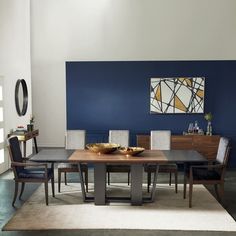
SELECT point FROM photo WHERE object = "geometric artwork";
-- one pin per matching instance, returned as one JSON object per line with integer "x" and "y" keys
{"x": 177, "y": 95}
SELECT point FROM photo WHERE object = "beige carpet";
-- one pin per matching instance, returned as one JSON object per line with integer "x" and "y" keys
{"x": 169, "y": 212}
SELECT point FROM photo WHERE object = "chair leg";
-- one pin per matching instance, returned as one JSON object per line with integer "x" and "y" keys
{"x": 185, "y": 183}
{"x": 46, "y": 192}
{"x": 170, "y": 179}
{"x": 86, "y": 180}
{"x": 65, "y": 178}
{"x": 108, "y": 178}
{"x": 149, "y": 176}
{"x": 190, "y": 193}
{"x": 128, "y": 177}
{"x": 22, "y": 189}
{"x": 176, "y": 182}
{"x": 15, "y": 194}
{"x": 53, "y": 186}
{"x": 59, "y": 181}
{"x": 217, "y": 191}
{"x": 221, "y": 191}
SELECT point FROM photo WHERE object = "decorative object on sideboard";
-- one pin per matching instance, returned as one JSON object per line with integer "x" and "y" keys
{"x": 30, "y": 126}
{"x": 178, "y": 95}
{"x": 208, "y": 117}
{"x": 194, "y": 129}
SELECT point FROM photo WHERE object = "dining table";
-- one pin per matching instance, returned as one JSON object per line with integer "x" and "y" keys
{"x": 52, "y": 156}
{"x": 137, "y": 163}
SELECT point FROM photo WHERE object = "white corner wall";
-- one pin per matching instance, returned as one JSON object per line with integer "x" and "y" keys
{"x": 64, "y": 30}
{"x": 15, "y": 58}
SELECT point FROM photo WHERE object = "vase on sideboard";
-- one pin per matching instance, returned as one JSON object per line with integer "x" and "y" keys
{"x": 209, "y": 128}
{"x": 30, "y": 127}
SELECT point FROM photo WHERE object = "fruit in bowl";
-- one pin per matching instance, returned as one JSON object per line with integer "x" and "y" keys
{"x": 102, "y": 147}
{"x": 131, "y": 151}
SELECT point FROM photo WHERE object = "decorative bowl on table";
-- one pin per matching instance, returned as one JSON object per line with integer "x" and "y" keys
{"x": 102, "y": 147}
{"x": 131, "y": 151}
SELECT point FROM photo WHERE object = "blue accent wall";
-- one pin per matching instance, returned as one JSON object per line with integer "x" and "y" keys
{"x": 115, "y": 95}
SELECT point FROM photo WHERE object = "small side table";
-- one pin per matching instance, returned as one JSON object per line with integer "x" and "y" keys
{"x": 23, "y": 137}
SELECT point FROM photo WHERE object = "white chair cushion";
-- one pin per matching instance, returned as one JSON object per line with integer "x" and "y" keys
{"x": 222, "y": 148}
{"x": 75, "y": 139}
{"x": 160, "y": 140}
{"x": 120, "y": 137}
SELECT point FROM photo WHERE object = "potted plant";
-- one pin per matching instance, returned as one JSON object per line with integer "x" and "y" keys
{"x": 208, "y": 117}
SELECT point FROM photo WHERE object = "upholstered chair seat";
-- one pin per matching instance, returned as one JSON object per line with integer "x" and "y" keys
{"x": 162, "y": 168}
{"x": 36, "y": 173}
{"x": 205, "y": 174}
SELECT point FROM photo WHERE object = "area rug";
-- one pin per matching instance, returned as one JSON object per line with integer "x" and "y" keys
{"x": 169, "y": 212}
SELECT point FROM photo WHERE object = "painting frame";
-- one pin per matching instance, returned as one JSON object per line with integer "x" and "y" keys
{"x": 177, "y": 95}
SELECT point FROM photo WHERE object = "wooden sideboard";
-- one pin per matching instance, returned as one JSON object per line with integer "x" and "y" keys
{"x": 23, "y": 137}
{"x": 206, "y": 145}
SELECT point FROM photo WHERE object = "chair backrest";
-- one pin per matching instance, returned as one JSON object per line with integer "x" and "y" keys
{"x": 75, "y": 139}
{"x": 223, "y": 151}
{"x": 160, "y": 140}
{"x": 120, "y": 137}
{"x": 15, "y": 152}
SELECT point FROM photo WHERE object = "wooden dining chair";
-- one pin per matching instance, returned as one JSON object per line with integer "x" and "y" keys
{"x": 211, "y": 174}
{"x": 74, "y": 139}
{"x": 120, "y": 137}
{"x": 161, "y": 140}
{"x": 28, "y": 172}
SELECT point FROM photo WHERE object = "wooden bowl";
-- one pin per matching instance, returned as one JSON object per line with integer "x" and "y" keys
{"x": 131, "y": 151}
{"x": 102, "y": 147}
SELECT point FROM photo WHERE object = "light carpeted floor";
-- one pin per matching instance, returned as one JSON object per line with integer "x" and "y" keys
{"x": 169, "y": 212}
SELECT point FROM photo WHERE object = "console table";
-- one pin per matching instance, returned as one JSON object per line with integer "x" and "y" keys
{"x": 206, "y": 145}
{"x": 23, "y": 137}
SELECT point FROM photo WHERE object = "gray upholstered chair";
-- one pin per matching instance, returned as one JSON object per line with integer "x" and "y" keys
{"x": 161, "y": 140}
{"x": 28, "y": 172}
{"x": 120, "y": 137}
{"x": 75, "y": 139}
{"x": 213, "y": 173}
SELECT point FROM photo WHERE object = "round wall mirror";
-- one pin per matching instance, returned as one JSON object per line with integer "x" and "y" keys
{"x": 21, "y": 97}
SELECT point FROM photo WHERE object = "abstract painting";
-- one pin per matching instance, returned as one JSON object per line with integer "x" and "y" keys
{"x": 177, "y": 95}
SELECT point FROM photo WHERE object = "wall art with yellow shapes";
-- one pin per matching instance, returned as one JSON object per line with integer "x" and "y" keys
{"x": 177, "y": 95}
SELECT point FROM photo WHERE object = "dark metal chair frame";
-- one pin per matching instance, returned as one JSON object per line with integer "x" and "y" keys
{"x": 72, "y": 169}
{"x": 163, "y": 169}
{"x": 117, "y": 169}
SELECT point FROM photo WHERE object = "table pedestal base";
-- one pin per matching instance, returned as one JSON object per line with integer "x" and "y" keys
{"x": 136, "y": 196}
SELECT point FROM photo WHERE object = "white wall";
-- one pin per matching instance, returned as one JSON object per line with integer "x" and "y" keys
{"x": 15, "y": 58}
{"x": 63, "y": 30}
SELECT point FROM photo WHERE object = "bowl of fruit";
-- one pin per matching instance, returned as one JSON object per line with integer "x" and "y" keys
{"x": 102, "y": 148}
{"x": 131, "y": 151}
